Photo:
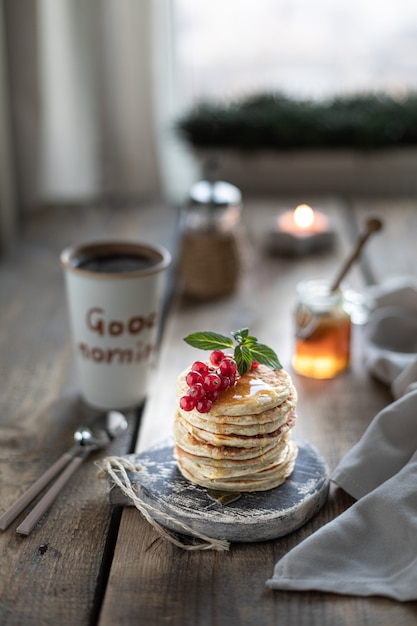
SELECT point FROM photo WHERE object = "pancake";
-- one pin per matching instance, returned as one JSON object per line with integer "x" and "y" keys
{"x": 265, "y": 422}
{"x": 224, "y": 423}
{"x": 256, "y": 392}
{"x": 259, "y": 481}
{"x": 188, "y": 442}
{"x": 233, "y": 467}
{"x": 244, "y": 442}
{"x": 234, "y": 439}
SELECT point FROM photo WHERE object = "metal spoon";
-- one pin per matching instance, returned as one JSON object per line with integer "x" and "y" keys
{"x": 105, "y": 428}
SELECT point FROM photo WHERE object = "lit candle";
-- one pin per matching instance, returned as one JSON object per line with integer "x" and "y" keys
{"x": 303, "y": 221}
{"x": 301, "y": 231}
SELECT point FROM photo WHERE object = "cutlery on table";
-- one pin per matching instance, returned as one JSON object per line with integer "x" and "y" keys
{"x": 87, "y": 440}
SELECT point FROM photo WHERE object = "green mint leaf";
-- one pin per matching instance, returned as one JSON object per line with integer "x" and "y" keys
{"x": 243, "y": 358}
{"x": 240, "y": 335}
{"x": 265, "y": 355}
{"x": 249, "y": 341}
{"x": 206, "y": 340}
{"x": 247, "y": 350}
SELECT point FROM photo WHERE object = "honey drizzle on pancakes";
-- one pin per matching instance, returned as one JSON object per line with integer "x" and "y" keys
{"x": 246, "y": 387}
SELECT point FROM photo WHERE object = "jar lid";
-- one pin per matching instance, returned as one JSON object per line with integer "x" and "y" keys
{"x": 317, "y": 293}
{"x": 217, "y": 193}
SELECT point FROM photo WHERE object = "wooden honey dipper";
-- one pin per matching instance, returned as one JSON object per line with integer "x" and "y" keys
{"x": 372, "y": 225}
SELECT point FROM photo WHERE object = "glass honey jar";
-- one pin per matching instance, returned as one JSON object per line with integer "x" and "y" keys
{"x": 322, "y": 331}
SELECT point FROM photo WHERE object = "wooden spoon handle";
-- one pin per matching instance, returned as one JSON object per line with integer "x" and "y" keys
{"x": 43, "y": 505}
{"x": 30, "y": 494}
{"x": 372, "y": 225}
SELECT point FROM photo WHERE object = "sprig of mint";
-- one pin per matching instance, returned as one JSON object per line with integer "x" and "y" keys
{"x": 247, "y": 350}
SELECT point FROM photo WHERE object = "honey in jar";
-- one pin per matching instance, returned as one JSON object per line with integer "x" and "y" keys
{"x": 322, "y": 331}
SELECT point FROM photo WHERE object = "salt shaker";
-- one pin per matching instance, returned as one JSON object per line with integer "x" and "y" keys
{"x": 210, "y": 256}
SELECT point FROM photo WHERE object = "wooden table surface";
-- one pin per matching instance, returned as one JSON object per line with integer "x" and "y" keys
{"x": 86, "y": 563}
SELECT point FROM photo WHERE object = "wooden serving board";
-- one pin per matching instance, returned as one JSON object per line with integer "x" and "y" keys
{"x": 252, "y": 517}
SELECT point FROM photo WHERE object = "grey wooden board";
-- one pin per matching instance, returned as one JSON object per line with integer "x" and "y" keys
{"x": 255, "y": 516}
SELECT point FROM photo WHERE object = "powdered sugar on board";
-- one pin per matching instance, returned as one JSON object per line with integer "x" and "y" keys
{"x": 257, "y": 516}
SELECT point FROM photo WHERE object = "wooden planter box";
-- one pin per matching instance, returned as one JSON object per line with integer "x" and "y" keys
{"x": 387, "y": 172}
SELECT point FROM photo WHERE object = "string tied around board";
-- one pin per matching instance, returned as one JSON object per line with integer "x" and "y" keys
{"x": 117, "y": 468}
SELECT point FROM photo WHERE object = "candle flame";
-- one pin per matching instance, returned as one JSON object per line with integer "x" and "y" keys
{"x": 304, "y": 216}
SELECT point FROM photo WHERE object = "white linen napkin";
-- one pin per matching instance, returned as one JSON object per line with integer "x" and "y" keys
{"x": 371, "y": 549}
{"x": 391, "y": 334}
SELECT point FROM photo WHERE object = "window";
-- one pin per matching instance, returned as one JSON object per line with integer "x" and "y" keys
{"x": 304, "y": 48}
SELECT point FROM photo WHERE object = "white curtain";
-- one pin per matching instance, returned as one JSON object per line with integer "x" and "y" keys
{"x": 8, "y": 200}
{"x": 93, "y": 93}
{"x": 68, "y": 124}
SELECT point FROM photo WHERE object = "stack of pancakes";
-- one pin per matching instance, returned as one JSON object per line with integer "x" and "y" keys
{"x": 244, "y": 442}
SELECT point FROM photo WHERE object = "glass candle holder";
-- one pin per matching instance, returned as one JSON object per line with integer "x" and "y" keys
{"x": 322, "y": 331}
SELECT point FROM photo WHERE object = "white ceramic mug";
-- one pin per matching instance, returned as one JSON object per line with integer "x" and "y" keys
{"x": 114, "y": 292}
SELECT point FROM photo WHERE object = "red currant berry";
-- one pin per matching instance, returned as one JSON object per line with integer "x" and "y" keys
{"x": 212, "y": 382}
{"x": 197, "y": 391}
{"x": 193, "y": 378}
{"x": 228, "y": 367}
{"x": 204, "y": 405}
{"x": 216, "y": 357}
{"x": 224, "y": 382}
{"x": 212, "y": 395}
{"x": 232, "y": 379}
{"x": 187, "y": 403}
{"x": 254, "y": 365}
{"x": 200, "y": 367}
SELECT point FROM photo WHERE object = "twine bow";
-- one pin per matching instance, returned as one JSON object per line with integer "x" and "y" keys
{"x": 117, "y": 468}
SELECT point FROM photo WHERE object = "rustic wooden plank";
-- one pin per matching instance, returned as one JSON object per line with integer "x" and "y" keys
{"x": 56, "y": 575}
{"x": 153, "y": 582}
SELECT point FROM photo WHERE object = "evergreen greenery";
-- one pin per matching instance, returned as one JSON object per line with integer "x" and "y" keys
{"x": 277, "y": 122}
